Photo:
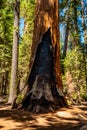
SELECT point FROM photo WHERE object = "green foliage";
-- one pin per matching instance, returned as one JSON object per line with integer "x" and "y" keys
{"x": 19, "y": 99}
{"x": 6, "y": 36}
{"x": 84, "y": 96}
{"x": 72, "y": 60}
{"x": 70, "y": 11}
{"x": 27, "y": 12}
{"x": 75, "y": 64}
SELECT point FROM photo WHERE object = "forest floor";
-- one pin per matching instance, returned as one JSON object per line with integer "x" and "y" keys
{"x": 73, "y": 118}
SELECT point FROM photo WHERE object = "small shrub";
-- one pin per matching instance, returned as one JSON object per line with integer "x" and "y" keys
{"x": 84, "y": 96}
{"x": 19, "y": 99}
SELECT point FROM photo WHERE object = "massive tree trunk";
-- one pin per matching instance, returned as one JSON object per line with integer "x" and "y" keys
{"x": 13, "y": 82}
{"x": 45, "y": 82}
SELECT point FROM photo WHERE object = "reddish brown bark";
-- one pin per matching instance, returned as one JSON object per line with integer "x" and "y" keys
{"x": 46, "y": 16}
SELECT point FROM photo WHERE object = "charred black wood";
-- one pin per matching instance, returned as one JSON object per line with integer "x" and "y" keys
{"x": 44, "y": 59}
{"x": 43, "y": 94}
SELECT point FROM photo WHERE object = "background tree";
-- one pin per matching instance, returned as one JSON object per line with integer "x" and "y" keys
{"x": 13, "y": 83}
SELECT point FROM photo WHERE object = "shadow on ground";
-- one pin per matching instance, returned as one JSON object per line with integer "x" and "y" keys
{"x": 64, "y": 119}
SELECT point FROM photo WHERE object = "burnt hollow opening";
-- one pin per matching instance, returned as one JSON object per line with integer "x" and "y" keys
{"x": 41, "y": 82}
{"x": 43, "y": 63}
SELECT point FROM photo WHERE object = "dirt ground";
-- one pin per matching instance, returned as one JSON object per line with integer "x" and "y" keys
{"x": 73, "y": 118}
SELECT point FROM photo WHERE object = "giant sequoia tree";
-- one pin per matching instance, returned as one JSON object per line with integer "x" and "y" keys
{"x": 45, "y": 82}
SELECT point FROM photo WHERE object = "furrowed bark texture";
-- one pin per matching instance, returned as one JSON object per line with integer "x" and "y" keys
{"x": 13, "y": 82}
{"x": 45, "y": 82}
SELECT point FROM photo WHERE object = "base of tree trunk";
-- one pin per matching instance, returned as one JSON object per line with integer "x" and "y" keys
{"x": 41, "y": 98}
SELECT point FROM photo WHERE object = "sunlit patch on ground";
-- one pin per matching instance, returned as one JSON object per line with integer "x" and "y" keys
{"x": 63, "y": 119}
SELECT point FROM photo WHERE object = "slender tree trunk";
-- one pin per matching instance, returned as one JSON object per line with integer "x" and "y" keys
{"x": 66, "y": 32}
{"x": 76, "y": 38}
{"x": 65, "y": 45}
{"x": 66, "y": 36}
{"x": 45, "y": 81}
{"x": 13, "y": 82}
{"x": 4, "y": 83}
{"x": 66, "y": 40}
